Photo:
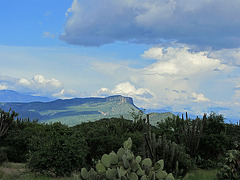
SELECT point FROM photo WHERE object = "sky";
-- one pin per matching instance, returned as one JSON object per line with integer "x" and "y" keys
{"x": 179, "y": 55}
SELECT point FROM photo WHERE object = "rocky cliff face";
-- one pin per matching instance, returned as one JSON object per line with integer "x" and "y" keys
{"x": 120, "y": 99}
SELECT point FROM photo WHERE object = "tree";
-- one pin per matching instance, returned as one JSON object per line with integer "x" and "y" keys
{"x": 56, "y": 149}
{"x": 6, "y": 119}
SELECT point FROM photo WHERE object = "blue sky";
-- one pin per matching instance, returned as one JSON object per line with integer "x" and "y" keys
{"x": 183, "y": 54}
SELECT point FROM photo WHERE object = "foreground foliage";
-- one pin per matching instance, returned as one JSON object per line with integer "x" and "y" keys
{"x": 214, "y": 137}
{"x": 58, "y": 150}
{"x": 201, "y": 174}
{"x": 124, "y": 165}
{"x": 12, "y": 171}
{"x": 231, "y": 168}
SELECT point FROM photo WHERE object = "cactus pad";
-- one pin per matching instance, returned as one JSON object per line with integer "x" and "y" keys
{"x": 133, "y": 176}
{"x": 128, "y": 144}
{"x": 114, "y": 158}
{"x": 169, "y": 177}
{"x": 147, "y": 162}
{"x": 159, "y": 165}
{"x": 105, "y": 160}
{"x": 161, "y": 174}
{"x": 84, "y": 173}
{"x": 100, "y": 168}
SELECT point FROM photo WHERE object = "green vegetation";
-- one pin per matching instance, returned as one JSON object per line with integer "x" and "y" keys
{"x": 201, "y": 174}
{"x": 231, "y": 167}
{"x": 57, "y": 150}
{"x": 75, "y": 111}
{"x": 125, "y": 165}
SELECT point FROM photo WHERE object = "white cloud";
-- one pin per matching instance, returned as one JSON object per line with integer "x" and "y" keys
{"x": 206, "y": 23}
{"x": 180, "y": 78}
{"x": 40, "y": 82}
{"x": 65, "y": 94}
{"x": 127, "y": 89}
{"x": 40, "y": 79}
{"x": 38, "y": 85}
{"x": 228, "y": 56}
{"x": 25, "y": 82}
{"x": 199, "y": 97}
{"x": 180, "y": 61}
{"x": 104, "y": 92}
{"x": 2, "y": 87}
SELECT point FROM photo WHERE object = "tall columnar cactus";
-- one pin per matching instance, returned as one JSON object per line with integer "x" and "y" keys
{"x": 123, "y": 165}
{"x": 161, "y": 148}
{"x": 192, "y": 131}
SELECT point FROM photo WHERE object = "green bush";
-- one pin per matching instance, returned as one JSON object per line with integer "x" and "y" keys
{"x": 231, "y": 168}
{"x": 205, "y": 163}
{"x": 17, "y": 138}
{"x": 57, "y": 150}
{"x": 107, "y": 134}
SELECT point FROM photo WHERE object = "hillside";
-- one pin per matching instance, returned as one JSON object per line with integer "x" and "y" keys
{"x": 77, "y": 110}
{"x": 156, "y": 117}
{"x": 73, "y": 111}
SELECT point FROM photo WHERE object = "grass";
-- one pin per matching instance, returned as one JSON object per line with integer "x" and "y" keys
{"x": 201, "y": 174}
{"x": 13, "y": 171}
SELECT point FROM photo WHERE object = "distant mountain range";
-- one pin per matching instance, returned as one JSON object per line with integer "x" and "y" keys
{"x": 72, "y": 111}
{"x": 13, "y": 96}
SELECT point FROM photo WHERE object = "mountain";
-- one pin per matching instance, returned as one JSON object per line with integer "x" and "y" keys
{"x": 77, "y": 110}
{"x": 158, "y": 117}
{"x": 73, "y": 111}
{"x": 13, "y": 96}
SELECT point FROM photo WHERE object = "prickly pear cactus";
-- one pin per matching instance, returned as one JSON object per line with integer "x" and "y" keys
{"x": 231, "y": 168}
{"x": 123, "y": 165}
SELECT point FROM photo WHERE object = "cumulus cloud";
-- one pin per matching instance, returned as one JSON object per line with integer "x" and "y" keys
{"x": 206, "y": 23}
{"x": 179, "y": 78}
{"x": 181, "y": 61}
{"x": 104, "y": 92}
{"x": 38, "y": 85}
{"x": 199, "y": 97}
{"x": 127, "y": 89}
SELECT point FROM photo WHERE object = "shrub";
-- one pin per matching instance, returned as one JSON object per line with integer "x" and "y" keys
{"x": 17, "y": 138}
{"x": 57, "y": 150}
{"x": 107, "y": 134}
{"x": 205, "y": 163}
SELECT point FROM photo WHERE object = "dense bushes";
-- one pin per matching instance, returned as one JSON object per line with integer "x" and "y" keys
{"x": 58, "y": 150}
{"x": 106, "y": 135}
{"x": 206, "y": 140}
{"x": 214, "y": 141}
{"x": 17, "y": 139}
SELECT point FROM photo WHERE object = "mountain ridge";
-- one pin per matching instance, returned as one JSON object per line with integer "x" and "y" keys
{"x": 77, "y": 110}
